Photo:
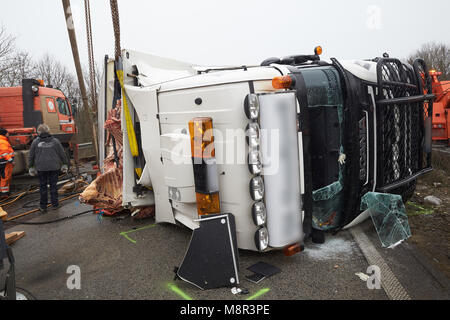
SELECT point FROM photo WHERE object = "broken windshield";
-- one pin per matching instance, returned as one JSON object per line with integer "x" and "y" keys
{"x": 325, "y": 104}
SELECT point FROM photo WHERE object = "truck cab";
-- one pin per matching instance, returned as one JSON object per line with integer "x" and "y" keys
{"x": 23, "y": 108}
{"x": 287, "y": 147}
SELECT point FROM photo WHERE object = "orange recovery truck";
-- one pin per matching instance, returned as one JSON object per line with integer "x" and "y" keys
{"x": 23, "y": 108}
{"x": 441, "y": 109}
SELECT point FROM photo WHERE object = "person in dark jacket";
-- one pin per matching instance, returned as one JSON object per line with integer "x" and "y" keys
{"x": 46, "y": 159}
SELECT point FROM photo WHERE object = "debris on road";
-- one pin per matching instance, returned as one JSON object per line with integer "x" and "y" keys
{"x": 261, "y": 271}
{"x": 389, "y": 217}
{"x": 364, "y": 277}
{"x": 434, "y": 201}
{"x": 3, "y": 214}
{"x": 14, "y": 236}
{"x": 236, "y": 290}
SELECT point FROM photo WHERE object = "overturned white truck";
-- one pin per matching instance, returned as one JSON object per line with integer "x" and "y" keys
{"x": 288, "y": 147}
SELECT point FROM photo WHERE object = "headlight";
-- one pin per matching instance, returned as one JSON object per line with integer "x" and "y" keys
{"x": 257, "y": 188}
{"x": 252, "y": 132}
{"x": 262, "y": 239}
{"x": 259, "y": 214}
{"x": 251, "y": 105}
{"x": 35, "y": 89}
{"x": 254, "y": 162}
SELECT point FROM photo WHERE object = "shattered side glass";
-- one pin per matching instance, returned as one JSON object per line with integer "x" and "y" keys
{"x": 389, "y": 217}
{"x": 327, "y": 205}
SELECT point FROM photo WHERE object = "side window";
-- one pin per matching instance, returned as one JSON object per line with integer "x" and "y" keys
{"x": 69, "y": 113}
{"x": 325, "y": 110}
{"x": 62, "y": 106}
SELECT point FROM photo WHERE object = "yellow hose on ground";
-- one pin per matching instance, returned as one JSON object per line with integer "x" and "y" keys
{"x": 36, "y": 210}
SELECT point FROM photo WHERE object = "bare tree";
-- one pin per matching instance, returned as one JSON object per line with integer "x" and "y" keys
{"x": 7, "y": 46}
{"x": 436, "y": 56}
{"x": 21, "y": 66}
{"x": 51, "y": 71}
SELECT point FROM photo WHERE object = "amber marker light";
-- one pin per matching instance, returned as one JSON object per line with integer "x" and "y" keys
{"x": 205, "y": 168}
{"x": 283, "y": 82}
{"x": 318, "y": 50}
{"x": 293, "y": 249}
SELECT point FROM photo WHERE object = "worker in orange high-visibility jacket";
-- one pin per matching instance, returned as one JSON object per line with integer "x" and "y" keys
{"x": 6, "y": 163}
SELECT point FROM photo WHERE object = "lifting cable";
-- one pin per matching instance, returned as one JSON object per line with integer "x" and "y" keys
{"x": 90, "y": 47}
{"x": 120, "y": 76}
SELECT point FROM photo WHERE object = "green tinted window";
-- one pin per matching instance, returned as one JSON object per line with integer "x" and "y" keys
{"x": 63, "y": 108}
{"x": 323, "y": 86}
{"x": 325, "y": 101}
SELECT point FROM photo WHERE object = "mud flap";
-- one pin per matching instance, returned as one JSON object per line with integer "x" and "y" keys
{"x": 211, "y": 260}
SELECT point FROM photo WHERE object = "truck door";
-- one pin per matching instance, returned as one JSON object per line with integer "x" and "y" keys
{"x": 49, "y": 113}
{"x": 65, "y": 117}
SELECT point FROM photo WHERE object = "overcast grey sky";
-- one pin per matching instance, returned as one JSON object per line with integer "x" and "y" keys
{"x": 233, "y": 31}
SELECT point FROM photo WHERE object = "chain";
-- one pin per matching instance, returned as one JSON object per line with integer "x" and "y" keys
{"x": 90, "y": 54}
{"x": 116, "y": 25}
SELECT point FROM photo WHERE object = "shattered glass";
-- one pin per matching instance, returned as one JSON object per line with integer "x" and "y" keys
{"x": 389, "y": 217}
{"x": 327, "y": 205}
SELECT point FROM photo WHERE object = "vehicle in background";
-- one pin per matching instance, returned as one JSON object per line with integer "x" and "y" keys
{"x": 23, "y": 108}
{"x": 441, "y": 109}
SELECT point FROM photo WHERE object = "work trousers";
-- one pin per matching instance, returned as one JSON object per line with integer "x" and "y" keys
{"x": 51, "y": 178}
{"x": 5, "y": 182}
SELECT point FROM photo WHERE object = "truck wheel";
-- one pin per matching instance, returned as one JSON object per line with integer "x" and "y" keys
{"x": 317, "y": 236}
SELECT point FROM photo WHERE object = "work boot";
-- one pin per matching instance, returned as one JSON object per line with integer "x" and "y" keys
{"x": 56, "y": 207}
{"x": 43, "y": 210}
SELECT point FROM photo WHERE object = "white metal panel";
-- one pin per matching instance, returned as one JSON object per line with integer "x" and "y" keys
{"x": 146, "y": 103}
{"x": 154, "y": 70}
{"x": 365, "y": 70}
{"x": 225, "y": 105}
{"x": 278, "y": 117}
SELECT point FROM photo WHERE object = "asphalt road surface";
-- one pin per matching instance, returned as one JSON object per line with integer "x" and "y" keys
{"x": 126, "y": 259}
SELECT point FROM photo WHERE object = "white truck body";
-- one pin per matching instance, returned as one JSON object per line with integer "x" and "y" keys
{"x": 167, "y": 98}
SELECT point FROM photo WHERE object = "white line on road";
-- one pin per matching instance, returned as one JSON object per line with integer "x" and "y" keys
{"x": 389, "y": 281}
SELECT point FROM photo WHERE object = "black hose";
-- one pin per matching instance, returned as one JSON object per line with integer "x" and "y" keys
{"x": 27, "y": 292}
{"x": 54, "y": 221}
{"x": 33, "y": 203}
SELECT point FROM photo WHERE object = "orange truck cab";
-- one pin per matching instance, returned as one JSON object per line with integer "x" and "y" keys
{"x": 23, "y": 108}
{"x": 441, "y": 108}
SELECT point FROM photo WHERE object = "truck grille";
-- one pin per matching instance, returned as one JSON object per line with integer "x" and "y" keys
{"x": 403, "y": 109}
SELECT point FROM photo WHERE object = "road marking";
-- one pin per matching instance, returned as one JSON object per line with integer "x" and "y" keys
{"x": 389, "y": 281}
{"x": 185, "y": 296}
{"x": 125, "y": 234}
{"x": 258, "y": 294}
{"x": 178, "y": 291}
{"x": 440, "y": 150}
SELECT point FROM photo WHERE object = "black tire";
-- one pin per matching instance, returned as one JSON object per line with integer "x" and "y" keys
{"x": 318, "y": 236}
